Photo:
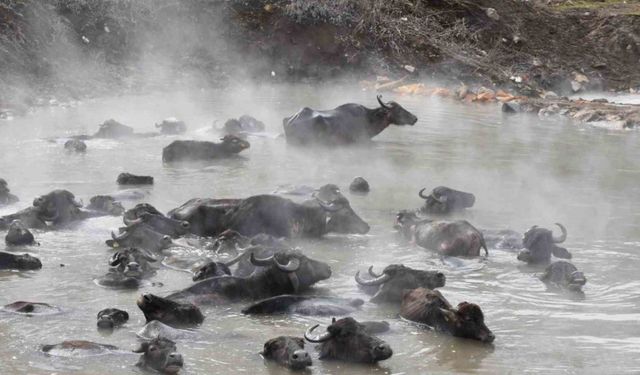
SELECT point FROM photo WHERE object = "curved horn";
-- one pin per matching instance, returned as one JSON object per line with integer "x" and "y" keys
{"x": 373, "y": 282}
{"x": 421, "y": 194}
{"x": 564, "y": 234}
{"x": 122, "y": 236}
{"x": 115, "y": 259}
{"x": 484, "y": 245}
{"x": 292, "y": 266}
{"x": 129, "y": 222}
{"x": 295, "y": 283}
{"x": 247, "y": 251}
{"x": 373, "y": 273}
{"x": 329, "y": 207}
{"x": 261, "y": 262}
{"x": 379, "y": 97}
{"x": 317, "y": 339}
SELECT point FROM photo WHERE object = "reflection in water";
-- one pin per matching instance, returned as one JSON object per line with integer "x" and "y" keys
{"x": 523, "y": 171}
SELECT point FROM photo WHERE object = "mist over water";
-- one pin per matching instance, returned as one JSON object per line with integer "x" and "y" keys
{"x": 523, "y": 170}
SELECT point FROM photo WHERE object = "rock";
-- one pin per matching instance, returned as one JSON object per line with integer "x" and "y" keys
{"x": 549, "y": 95}
{"x": 586, "y": 115}
{"x": 493, "y": 14}
{"x": 409, "y": 68}
{"x": 511, "y": 107}
{"x": 576, "y": 86}
{"x": 359, "y": 185}
{"x": 551, "y": 110}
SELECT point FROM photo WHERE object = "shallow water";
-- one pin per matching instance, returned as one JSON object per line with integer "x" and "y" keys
{"x": 523, "y": 171}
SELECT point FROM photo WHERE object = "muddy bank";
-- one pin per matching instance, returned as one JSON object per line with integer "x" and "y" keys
{"x": 78, "y": 48}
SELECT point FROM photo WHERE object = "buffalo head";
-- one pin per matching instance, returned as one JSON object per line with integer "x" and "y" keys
{"x": 396, "y": 114}
{"x": 59, "y": 206}
{"x": 444, "y": 200}
{"x": 111, "y": 318}
{"x": 160, "y": 354}
{"x": 169, "y": 312}
{"x": 341, "y": 218}
{"x": 287, "y": 351}
{"x": 232, "y": 144}
{"x": 396, "y": 278}
{"x": 540, "y": 243}
{"x": 348, "y": 340}
{"x": 140, "y": 235}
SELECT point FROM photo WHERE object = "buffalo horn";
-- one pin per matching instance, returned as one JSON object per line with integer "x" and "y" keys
{"x": 563, "y": 237}
{"x": 317, "y": 339}
{"x": 377, "y": 281}
{"x": 292, "y": 266}
{"x": 373, "y": 273}
{"x": 261, "y": 262}
{"x": 379, "y": 97}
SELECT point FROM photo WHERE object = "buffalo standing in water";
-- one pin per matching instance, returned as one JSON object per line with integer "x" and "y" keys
{"x": 431, "y": 308}
{"x": 203, "y": 150}
{"x": 450, "y": 238}
{"x": 444, "y": 200}
{"x": 346, "y": 124}
{"x": 540, "y": 243}
{"x": 348, "y": 340}
{"x": 396, "y": 278}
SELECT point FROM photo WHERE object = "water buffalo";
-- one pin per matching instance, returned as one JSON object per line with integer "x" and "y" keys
{"x": 450, "y": 238}
{"x": 204, "y": 150}
{"x": 106, "y": 204}
{"x": 169, "y": 312}
{"x": 285, "y": 272}
{"x": 359, "y": 186}
{"x": 160, "y": 354}
{"x": 59, "y": 207}
{"x": 206, "y": 216}
{"x": 348, "y": 340}
{"x": 346, "y": 124}
{"x": 304, "y": 305}
{"x": 564, "y": 275}
{"x": 160, "y": 224}
{"x": 172, "y": 126}
{"x": 539, "y": 244}
{"x": 429, "y": 307}
{"x": 78, "y": 348}
{"x": 396, "y": 278}
{"x": 5, "y": 196}
{"x": 111, "y": 318}
{"x": 113, "y": 129}
{"x": 287, "y": 351}
{"x": 29, "y": 217}
{"x": 140, "y": 235}
{"x": 19, "y": 235}
{"x": 444, "y": 200}
{"x": 244, "y": 124}
{"x": 75, "y": 145}
{"x": 10, "y": 261}
{"x": 128, "y": 268}
{"x": 211, "y": 269}
{"x": 132, "y": 179}
{"x": 505, "y": 239}
{"x": 31, "y": 308}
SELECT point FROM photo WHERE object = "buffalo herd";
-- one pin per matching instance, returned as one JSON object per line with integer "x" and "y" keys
{"x": 260, "y": 267}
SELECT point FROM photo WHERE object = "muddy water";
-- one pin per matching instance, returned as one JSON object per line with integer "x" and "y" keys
{"x": 523, "y": 170}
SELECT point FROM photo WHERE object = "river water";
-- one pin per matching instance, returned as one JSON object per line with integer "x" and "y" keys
{"x": 523, "y": 170}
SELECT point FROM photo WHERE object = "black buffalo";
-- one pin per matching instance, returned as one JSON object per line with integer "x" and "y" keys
{"x": 19, "y": 235}
{"x": 540, "y": 244}
{"x": 140, "y": 235}
{"x": 106, "y": 204}
{"x": 128, "y": 268}
{"x": 304, "y": 305}
{"x": 158, "y": 222}
{"x": 429, "y": 307}
{"x": 348, "y": 340}
{"x": 211, "y": 269}
{"x": 75, "y": 145}
{"x": 359, "y": 186}
{"x": 5, "y": 196}
{"x": 444, "y": 200}
{"x": 30, "y": 217}
{"x": 10, "y": 261}
{"x": 244, "y": 124}
{"x": 285, "y": 272}
{"x": 132, "y": 179}
{"x": 505, "y": 239}
{"x": 169, "y": 312}
{"x": 396, "y": 278}
{"x": 346, "y": 124}
{"x": 450, "y": 238}
{"x": 287, "y": 351}
{"x": 113, "y": 129}
{"x": 204, "y": 150}
{"x": 111, "y": 318}
{"x": 172, "y": 126}
{"x": 564, "y": 275}
{"x": 206, "y": 216}
{"x": 161, "y": 355}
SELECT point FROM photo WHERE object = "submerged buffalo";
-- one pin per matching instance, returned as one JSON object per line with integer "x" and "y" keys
{"x": 204, "y": 150}
{"x": 107, "y": 204}
{"x": 396, "y": 278}
{"x": 205, "y": 216}
{"x": 564, "y": 275}
{"x": 348, "y": 340}
{"x": 5, "y": 196}
{"x": 304, "y": 305}
{"x": 540, "y": 244}
{"x": 78, "y": 348}
{"x": 140, "y": 235}
{"x": 148, "y": 215}
{"x": 359, "y": 186}
{"x": 346, "y": 124}
{"x": 429, "y": 307}
{"x": 132, "y": 179}
{"x": 111, "y": 318}
{"x": 285, "y": 272}
{"x": 19, "y": 235}
{"x": 31, "y": 308}
{"x": 128, "y": 268}
{"x": 113, "y": 129}
{"x": 161, "y": 355}
{"x": 450, "y": 238}
{"x": 244, "y": 124}
{"x": 169, "y": 312}
{"x": 444, "y": 200}
{"x": 211, "y": 269}
{"x": 172, "y": 126}
{"x": 505, "y": 239}
{"x": 287, "y": 351}
{"x": 75, "y": 145}
{"x": 22, "y": 262}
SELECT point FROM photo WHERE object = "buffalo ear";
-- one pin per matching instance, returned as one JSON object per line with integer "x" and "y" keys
{"x": 142, "y": 348}
{"x": 449, "y": 316}
{"x": 115, "y": 259}
{"x": 560, "y": 252}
